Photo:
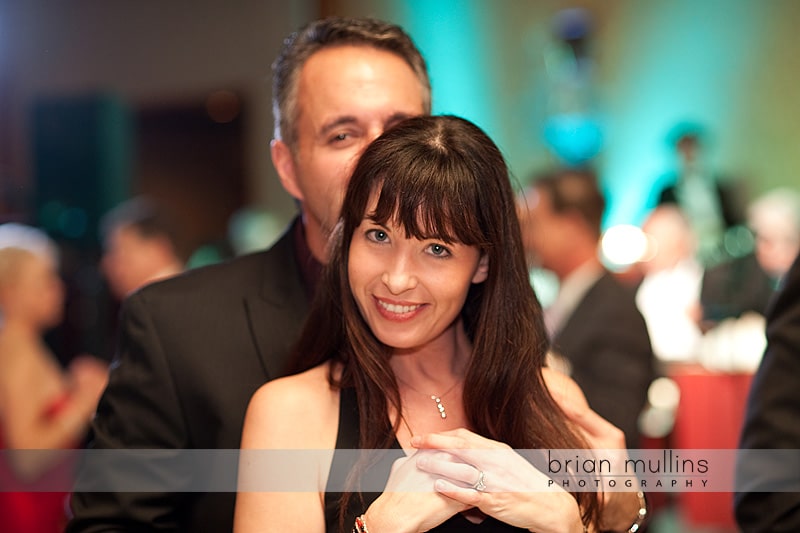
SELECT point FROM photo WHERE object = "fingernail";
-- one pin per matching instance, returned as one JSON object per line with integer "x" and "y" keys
{"x": 416, "y": 440}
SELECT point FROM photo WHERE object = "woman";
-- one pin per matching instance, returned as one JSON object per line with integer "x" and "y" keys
{"x": 429, "y": 338}
{"x": 42, "y": 406}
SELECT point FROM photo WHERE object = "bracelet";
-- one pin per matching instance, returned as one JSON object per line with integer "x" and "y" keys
{"x": 641, "y": 516}
{"x": 361, "y": 525}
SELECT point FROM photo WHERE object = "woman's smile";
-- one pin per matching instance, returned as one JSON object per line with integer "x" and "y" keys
{"x": 397, "y": 311}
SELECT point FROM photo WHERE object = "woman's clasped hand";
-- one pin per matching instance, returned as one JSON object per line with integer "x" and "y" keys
{"x": 461, "y": 471}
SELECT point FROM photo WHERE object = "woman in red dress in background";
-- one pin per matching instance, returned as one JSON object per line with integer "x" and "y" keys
{"x": 42, "y": 406}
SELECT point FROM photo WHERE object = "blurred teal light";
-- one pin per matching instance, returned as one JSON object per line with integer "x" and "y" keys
{"x": 452, "y": 36}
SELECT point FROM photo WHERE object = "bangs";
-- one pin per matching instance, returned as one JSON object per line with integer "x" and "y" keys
{"x": 430, "y": 205}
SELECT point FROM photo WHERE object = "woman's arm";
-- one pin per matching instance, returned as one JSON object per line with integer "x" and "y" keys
{"x": 45, "y": 410}
{"x": 287, "y": 422}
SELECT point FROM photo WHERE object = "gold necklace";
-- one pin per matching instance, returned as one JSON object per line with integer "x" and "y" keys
{"x": 437, "y": 398}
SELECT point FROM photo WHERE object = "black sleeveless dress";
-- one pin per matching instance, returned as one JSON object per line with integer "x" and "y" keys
{"x": 347, "y": 439}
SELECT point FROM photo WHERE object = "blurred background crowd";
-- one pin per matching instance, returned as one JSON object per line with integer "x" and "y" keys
{"x": 651, "y": 143}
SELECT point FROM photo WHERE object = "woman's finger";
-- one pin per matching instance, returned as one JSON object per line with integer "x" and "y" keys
{"x": 467, "y": 496}
{"x": 450, "y": 467}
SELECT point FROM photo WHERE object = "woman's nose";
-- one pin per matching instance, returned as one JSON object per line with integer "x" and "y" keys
{"x": 399, "y": 276}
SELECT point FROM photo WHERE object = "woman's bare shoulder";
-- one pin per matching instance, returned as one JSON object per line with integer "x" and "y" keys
{"x": 292, "y": 411}
{"x": 285, "y": 391}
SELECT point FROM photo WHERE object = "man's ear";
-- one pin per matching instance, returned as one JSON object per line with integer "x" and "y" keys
{"x": 283, "y": 162}
{"x": 483, "y": 270}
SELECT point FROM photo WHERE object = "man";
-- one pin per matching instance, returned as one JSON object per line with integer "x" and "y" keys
{"x": 746, "y": 284}
{"x": 736, "y": 294}
{"x": 766, "y": 478}
{"x": 711, "y": 202}
{"x": 669, "y": 293}
{"x": 138, "y": 246}
{"x": 594, "y": 323}
{"x": 193, "y": 349}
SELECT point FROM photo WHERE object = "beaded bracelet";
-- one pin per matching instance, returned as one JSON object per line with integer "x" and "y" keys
{"x": 361, "y": 525}
{"x": 641, "y": 516}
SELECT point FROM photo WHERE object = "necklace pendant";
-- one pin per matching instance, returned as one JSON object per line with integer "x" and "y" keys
{"x": 439, "y": 406}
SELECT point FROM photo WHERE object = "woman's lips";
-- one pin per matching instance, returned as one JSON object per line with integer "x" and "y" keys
{"x": 398, "y": 311}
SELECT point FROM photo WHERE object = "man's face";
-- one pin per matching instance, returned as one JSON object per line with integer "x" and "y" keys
{"x": 542, "y": 229}
{"x": 129, "y": 261}
{"x": 777, "y": 242}
{"x": 347, "y": 96}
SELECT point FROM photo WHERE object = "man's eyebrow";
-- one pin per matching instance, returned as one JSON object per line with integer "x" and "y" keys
{"x": 337, "y": 122}
{"x": 347, "y": 120}
{"x": 396, "y": 118}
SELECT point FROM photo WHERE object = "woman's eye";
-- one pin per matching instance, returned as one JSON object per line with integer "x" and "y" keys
{"x": 439, "y": 250}
{"x": 377, "y": 235}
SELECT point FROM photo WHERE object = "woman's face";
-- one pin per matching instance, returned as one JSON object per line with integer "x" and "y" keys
{"x": 409, "y": 291}
{"x": 36, "y": 293}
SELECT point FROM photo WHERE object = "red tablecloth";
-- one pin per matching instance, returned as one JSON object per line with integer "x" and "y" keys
{"x": 710, "y": 416}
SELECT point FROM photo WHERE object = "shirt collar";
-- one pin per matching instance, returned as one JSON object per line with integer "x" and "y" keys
{"x": 310, "y": 267}
{"x": 570, "y": 293}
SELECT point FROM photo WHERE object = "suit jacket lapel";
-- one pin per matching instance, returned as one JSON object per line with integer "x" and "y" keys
{"x": 276, "y": 313}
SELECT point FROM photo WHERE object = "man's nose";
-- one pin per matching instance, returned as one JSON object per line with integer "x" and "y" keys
{"x": 374, "y": 132}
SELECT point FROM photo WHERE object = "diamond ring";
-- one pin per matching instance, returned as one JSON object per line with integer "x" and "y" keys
{"x": 480, "y": 485}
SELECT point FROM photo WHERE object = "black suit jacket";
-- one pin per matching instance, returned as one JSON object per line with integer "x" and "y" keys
{"x": 731, "y": 210}
{"x": 606, "y": 341}
{"x": 771, "y": 420}
{"x": 192, "y": 350}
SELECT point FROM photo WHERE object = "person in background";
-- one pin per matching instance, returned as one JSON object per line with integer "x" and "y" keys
{"x": 669, "y": 293}
{"x": 774, "y": 219}
{"x": 712, "y": 203}
{"x": 42, "y": 405}
{"x": 735, "y": 295}
{"x": 768, "y": 493}
{"x": 597, "y": 332}
{"x": 138, "y": 246}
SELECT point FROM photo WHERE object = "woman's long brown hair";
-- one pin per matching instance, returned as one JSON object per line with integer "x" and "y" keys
{"x": 443, "y": 177}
